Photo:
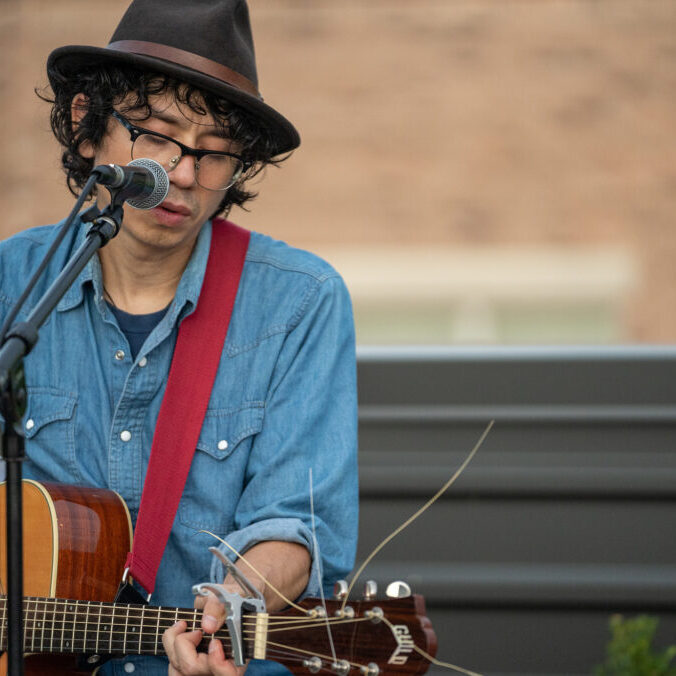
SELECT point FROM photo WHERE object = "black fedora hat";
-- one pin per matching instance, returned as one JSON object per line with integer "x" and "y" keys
{"x": 206, "y": 43}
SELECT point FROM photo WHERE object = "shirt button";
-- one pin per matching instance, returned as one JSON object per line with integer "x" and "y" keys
{"x": 30, "y": 424}
{"x": 129, "y": 668}
{"x": 125, "y": 435}
{"x": 119, "y": 355}
{"x": 142, "y": 361}
{"x": 222, "y": 445}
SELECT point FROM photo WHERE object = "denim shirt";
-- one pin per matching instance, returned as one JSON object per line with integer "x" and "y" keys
{"x": 283, "y": 403}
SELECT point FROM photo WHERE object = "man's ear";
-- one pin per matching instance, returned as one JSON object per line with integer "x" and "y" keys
{"x": 78, "y": 109}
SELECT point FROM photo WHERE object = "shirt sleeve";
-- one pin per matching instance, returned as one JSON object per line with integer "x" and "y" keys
{"x": 309, "y": 429}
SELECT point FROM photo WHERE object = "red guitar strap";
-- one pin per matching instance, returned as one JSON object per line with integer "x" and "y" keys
{"x": 191, "y": 377}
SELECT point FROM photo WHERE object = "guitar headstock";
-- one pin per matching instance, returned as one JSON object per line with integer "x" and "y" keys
{"x": 369, "y": 637}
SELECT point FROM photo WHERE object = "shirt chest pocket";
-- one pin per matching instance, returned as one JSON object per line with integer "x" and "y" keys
{"x": 217, "y": 472}
{"x": 49, "y": 426}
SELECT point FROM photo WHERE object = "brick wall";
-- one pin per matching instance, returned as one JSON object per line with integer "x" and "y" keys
{"x": 457, "y": 124}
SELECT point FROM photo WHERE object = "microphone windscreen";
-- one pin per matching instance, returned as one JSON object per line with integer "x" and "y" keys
{"x": 161, "y": 189}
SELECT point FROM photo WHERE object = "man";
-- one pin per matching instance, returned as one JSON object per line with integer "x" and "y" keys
{"x": 182, "y": 76}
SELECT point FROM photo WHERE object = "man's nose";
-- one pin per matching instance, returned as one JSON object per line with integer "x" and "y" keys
{"x": 184, "y": 173}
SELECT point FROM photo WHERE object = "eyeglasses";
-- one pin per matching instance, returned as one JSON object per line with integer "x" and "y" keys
{"x": 214, "y": 170}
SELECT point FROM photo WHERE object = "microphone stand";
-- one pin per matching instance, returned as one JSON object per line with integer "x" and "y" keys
{"x": 18, "y": 342}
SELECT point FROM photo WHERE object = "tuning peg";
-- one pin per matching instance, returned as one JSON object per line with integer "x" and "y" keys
{"x": 370, "y": 590}
{"x": 398, "y": 590}
{"x": 340, "y": 590}
{"x": 341, "y": 667}
{"x": 313, "y": 664}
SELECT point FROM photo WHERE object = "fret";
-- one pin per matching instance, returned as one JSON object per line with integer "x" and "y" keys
{"x": 51, "y": 641}
{"x": 110, "y": 628}
{"x": 86, "y": 630}
{"x": 2, "y": 628}
{"x": 63, "y": 624}
{"x": 27, "y": 623}
{"x": 140, "y": 631}
{"x": 42, "y": 626}
{"x": 70, "y": 611}
{"x": 157, "y": 630}
{"x": 126, "y": 625}
{"x": 98, "y": 629}
{"x": 70, "y": 645}
{"x": 194, "y": 619}
{"x": 134, "y": 615}
{"x": 34, "y": 620}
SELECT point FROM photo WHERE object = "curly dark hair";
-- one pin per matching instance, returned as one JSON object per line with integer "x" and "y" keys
{"x": 106, "y": 86}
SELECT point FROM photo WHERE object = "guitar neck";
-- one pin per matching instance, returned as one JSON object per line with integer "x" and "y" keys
{"x": 366, "y": 637}
{"x": 68, "y": 626}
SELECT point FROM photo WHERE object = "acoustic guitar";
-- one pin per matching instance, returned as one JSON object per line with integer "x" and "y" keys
{"x": 75, "y": 544}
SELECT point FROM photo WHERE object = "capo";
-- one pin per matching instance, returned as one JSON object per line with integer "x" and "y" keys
{"x": 253, "y": 601}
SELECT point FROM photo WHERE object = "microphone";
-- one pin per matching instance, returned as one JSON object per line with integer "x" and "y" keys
{"x": 143, "y": 183}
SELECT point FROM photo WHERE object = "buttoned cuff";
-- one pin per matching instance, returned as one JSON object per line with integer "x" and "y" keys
{"x": 285, "y": 530}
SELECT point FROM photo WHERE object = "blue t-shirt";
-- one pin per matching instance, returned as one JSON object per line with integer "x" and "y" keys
{"x": 137, "y": 327}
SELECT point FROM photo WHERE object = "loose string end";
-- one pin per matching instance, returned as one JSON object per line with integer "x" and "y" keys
{"x": 254, "y": 570}
{"x": 411, "y": 519}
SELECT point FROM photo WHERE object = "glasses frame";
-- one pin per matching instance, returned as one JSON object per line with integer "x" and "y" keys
{"x": 135, "y": 132}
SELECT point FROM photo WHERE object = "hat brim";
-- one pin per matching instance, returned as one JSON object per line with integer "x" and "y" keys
{"x": 73, "y": 58}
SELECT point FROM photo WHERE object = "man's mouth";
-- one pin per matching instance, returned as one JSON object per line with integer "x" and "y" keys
{"x": 175, "y": 207}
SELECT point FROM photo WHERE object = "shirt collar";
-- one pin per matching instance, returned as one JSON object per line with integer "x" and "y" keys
{"x": 187, "y": 293}
{"x": 73, "y": 297}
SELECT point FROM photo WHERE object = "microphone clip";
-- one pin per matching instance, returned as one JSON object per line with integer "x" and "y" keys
{"x": 106, "y": 223}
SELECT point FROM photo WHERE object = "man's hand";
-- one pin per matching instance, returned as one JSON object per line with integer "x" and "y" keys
{"x": 285, "y": 564}
{"x": 180, "y": 646}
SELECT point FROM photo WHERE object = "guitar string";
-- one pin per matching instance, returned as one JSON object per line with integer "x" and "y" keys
{"x": 318, "y": 558}
{"x": 327, "y": 666}
{"x": 308, "y": 652}
{"x": 434, "y": 660}
{"x": 117, "y": 607}
{"x": 286, "y": 651}
{"x": 122, "y": 611}
{"x": 74, "y": 623}
{"x": 411, "y": 519}
{"x": 80, "y": 625}
{"x": 138, "y": 633}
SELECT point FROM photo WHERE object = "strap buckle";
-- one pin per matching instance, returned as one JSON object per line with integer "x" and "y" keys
{"x": 124, "y": 583}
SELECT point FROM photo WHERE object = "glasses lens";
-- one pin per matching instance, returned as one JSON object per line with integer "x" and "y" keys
{"x": 218, "y": 172}
{"x": 167, "y": 153}
{"x": 214, "y": 172}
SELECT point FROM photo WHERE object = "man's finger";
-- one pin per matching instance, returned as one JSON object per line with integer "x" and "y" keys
{"x": 180, "y": 646}
{"x": 213, "y": 616}
{"x": 218, "y": 664}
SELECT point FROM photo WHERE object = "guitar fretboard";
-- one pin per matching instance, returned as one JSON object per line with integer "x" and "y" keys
{"x": 69, "y": 626}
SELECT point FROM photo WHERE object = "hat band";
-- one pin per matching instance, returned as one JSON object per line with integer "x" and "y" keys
{"x": 188, "y": 60}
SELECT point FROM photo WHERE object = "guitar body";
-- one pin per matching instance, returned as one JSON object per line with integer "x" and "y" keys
{"x": 75, "y": 543}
